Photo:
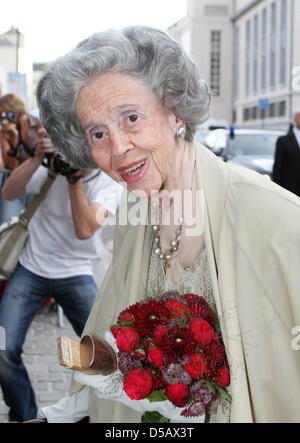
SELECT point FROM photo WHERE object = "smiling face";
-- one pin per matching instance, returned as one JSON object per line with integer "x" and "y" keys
{"x": 132, "y": 138}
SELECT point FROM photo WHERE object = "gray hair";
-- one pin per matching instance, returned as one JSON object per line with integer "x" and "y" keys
{"x": 144, "y": 52}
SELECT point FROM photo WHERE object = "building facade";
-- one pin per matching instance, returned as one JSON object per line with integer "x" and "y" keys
{"x": 249, "y": 54}
{"x": 207, "y": 35}
{"x": 266, "y": 66}
{"x": 15, "y": 66}
{"x": 12, "y": 50}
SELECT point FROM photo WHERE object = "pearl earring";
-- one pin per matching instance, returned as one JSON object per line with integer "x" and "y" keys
{"x": 181, "y": 131}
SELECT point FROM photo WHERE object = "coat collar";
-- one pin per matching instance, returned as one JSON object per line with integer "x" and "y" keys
{"x": 213, "y": 177}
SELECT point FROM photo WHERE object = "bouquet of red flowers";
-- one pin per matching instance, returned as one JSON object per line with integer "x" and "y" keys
{"x": 170, "y": 349}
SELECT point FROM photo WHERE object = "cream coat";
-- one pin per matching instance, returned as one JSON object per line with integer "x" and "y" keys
{"x": 252, "y": 236}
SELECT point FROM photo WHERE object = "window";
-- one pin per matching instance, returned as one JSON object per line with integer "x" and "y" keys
{"x": 246, "y": 114}
{"x": 283, "y": 42}
{"x": 272, "y": 110}
{"x": 254, "y": 113}
{"x": 236, "y": 44}
{"x": 264, "y": 50}
{"x": 263, "y": 113}
{"x": 255, "y": 53}
{"x": 282, "y": 108}
{"x": 273, "y": 46}
{"x": 247, "y": 79}
{"x": 215, "y": 62}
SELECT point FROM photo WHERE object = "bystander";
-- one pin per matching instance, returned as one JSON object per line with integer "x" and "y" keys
{"x": 56, "y": 261}
{"x": 18, "y": 140}
{"x": 286, "y": 171}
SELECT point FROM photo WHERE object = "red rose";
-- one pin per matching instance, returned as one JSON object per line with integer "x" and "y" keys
{"x": 114, "y": 330}
{"x": 202, "y": 332}
{"x": 138, "y": 384}
{"x": 177, "y": 394}
{"x": 177, "y": 309}
{"x": 128, "y": 340}
{"x": 156, "y": 356}
{"x": 223, "y": 377}
{"x": 196, "y": 366}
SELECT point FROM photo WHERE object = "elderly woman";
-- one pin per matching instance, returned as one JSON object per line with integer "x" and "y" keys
{"x": 130, "y": 102}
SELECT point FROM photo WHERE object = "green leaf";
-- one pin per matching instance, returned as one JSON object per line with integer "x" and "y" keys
{"x": 223, "y": 393}
{"x": 125, "y": 323}
{"x": 154, "y": 417}
{"x": 157, "y": 396}
{"x": 210, "y": 386}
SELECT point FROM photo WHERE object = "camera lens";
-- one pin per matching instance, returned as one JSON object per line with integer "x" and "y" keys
{"x": 10, "y": 116}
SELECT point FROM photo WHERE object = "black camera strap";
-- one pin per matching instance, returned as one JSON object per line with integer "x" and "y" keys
{"x": 22, "y": 145}
{"x": 12, "y": 150}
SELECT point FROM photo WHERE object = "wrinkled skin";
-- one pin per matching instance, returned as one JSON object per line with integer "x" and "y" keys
{"x": 124, "y": 123}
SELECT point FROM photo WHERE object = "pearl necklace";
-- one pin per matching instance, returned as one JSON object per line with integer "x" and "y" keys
{"x": 166, "y": 256}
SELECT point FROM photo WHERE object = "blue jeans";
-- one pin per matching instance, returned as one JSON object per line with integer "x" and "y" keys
{"x": 22, "y": 298}
{"x": 13, "y": 208}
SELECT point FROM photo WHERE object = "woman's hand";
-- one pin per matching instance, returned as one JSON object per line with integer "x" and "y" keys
{"x": 44, "y": 145}
{"x": 10, "y": 132}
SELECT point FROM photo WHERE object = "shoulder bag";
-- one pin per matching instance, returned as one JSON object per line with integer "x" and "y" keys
{"x": 14, "y": 232}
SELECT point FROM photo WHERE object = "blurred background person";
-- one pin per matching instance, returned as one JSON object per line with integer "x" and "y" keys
{"x": 286, "y": 171}
{"x": 57, "y": 260}
{"x": 18, "y": 140}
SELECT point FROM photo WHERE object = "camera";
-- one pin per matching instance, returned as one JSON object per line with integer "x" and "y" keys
{"x": 10, "y": 116}
{"x": 59, "y": 166}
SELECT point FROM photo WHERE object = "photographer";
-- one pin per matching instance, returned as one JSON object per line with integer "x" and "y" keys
{"x": 18, "y": 140}
{"x": 56, "y": 261}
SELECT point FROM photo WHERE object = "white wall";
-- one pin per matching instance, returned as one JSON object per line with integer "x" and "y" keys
{"x": 195, "y": 34}
{"x": 240, "y": 4}
{"x": 3, "y": 81}
{"x": 8, "y": 64}
{"x": 8, "y": 58}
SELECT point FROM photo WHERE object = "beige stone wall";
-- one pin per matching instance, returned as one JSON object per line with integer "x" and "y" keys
{"x": 194, "y": 32}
